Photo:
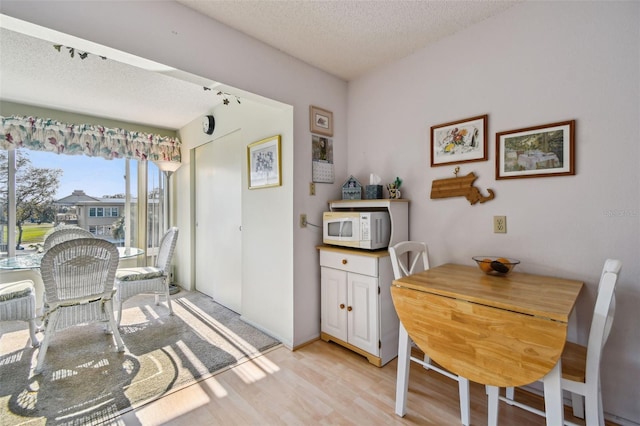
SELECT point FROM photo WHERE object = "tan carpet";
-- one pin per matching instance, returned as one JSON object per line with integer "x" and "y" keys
{"x": 85, "y": 381}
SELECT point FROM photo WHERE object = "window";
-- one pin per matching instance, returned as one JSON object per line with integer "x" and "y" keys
{"x": 103, "y": 212}
{"x": 74, "y": 187}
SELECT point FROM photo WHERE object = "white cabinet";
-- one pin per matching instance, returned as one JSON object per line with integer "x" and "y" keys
{"x": 356, "y": 307}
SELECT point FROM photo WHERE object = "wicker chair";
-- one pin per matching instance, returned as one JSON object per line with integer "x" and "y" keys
{"x": 148, "y": 279}
{"x": 78, "y": 278}
{"x": 64, "y": 233}
{"x": 18, "y": 303}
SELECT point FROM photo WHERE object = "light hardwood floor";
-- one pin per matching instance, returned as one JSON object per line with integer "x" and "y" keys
{"x": 321, "y": 383}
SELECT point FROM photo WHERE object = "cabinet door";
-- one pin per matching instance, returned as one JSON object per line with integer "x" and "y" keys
{"x": 333, "y": 302}
{"x": 363, "y": 312}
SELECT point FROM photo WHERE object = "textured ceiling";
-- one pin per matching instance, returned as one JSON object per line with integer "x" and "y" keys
{"x": 33, "y": 72}
{"x": 348, "y": 38}
{"x": 344, "y": 38}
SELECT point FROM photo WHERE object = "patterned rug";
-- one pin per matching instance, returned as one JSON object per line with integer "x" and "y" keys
{"x": 85, "y": 381}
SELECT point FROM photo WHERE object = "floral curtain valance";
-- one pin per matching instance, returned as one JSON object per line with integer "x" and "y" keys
{"x": 44, "y": 134}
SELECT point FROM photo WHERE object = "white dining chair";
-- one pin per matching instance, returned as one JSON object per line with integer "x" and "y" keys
{"x": 409, "y": 257}
{"x": 78, "y": 277}
{"x": 148, "y": 279}
{"x": 581, "y": 364}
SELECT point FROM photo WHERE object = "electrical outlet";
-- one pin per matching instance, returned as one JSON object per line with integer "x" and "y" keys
{"x": 312, "y": 188}
{"x": 303, "y": 220}
{"x": 499, "y": 224}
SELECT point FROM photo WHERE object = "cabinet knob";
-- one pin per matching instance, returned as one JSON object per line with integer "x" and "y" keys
{"x": 349, "y": 308}
{"x": 344, "y": 261}
{"x": 342, "y": 306}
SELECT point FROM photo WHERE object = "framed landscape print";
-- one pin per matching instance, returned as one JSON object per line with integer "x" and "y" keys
{"x": 459, "y": 141}
{"x": 320, "y": 121}
{"x": 546, "y": 150}
{"x": 264, "y": 166}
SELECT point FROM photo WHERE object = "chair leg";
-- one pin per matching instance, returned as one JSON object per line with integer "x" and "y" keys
{"x": 404, "y": 364}
{"x": 168, "y": 300}
{"x": 465, "y": 401}
{"x": 50, "y": 327}
{"x": 108, "y": 307}
{"x": 593, "y": 407}
{"x": 119, "y": 303}
{"x": 577, "y": 404}
{"x": 32, "y": 332}
{"x": 510, "y": 393}
{"x": 492, "y": 405}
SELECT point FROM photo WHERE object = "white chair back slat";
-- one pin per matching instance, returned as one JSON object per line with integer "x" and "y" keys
{"x": 603, "y": 314}
{"x": 408, "y": 257}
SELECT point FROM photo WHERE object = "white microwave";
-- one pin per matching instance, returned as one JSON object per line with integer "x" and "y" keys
{"x": 364, "y": 230}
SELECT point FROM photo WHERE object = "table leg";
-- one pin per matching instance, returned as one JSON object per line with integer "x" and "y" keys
{"x": 492, "y": 405}
{"x": 553, "y": 404}
{"x": 402, "y": 378}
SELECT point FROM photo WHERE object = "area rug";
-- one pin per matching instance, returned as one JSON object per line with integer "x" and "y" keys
{"x": 85, "y": 381}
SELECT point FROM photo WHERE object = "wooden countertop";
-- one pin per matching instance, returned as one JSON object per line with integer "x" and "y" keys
{"x": 358, "y": 252}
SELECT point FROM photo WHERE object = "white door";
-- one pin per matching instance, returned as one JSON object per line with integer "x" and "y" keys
{"x": 333, "y": 302}
{"x": 363, "y": 315}
{"x": 218, "y": 196}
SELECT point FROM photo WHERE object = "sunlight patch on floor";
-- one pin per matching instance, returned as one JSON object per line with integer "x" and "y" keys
{"x": 150, "y": 311}
{"x": 210, "y": 328}
{"x": 218, "y": 390}
{"x": 174, "y": 405}
{"x": 266, "y": 364}
{"x": 199, "y": 367}
{"x": 249, "y": 372}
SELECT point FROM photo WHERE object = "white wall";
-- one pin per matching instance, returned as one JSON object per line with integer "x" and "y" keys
{"x": 537, "y": 63}
{"x": 169, "y": 33}
{"x": 266, "y": 215}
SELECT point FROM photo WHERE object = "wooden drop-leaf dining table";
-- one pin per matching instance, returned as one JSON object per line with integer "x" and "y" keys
{"x": 499, "y": 331}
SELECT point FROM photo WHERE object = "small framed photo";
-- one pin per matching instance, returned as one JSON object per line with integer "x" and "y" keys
{"x": 459, "y": 141}
{"x": 320, "y": 121}
{"x": 539, "y": 151}
{"x": 264, "y": 165}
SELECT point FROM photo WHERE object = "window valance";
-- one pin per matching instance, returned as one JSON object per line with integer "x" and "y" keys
{"x": 44, "y": 134}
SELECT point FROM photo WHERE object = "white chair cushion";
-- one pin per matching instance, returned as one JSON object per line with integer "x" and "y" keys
{"x": 140, "y": 273}
{"x": 16, "y": 290}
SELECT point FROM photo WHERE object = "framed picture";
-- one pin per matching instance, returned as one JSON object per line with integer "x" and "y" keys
{"x": 539, "y": 151}
{"x": 264, "y": 163}
{"x": 459, "y": 141}
{"x": 321, "y": 121}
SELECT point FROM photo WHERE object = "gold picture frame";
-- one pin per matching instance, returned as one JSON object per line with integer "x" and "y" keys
{"x": 263, "y": 163}
{"x": 320, "y": 121}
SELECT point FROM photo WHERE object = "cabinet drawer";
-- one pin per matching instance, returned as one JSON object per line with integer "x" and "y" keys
{"x": 365, "y": 265}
